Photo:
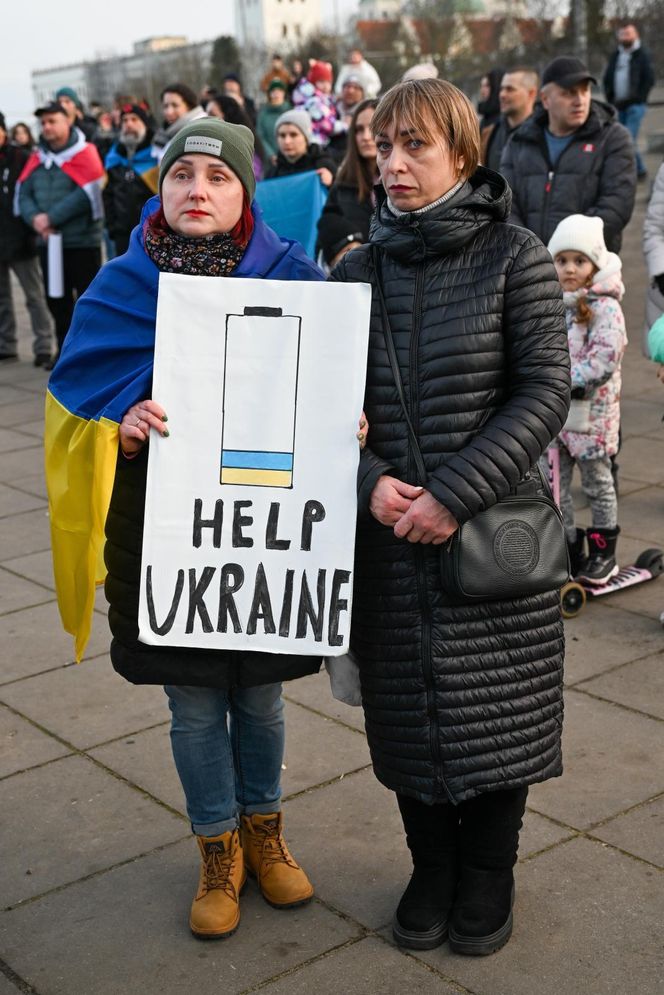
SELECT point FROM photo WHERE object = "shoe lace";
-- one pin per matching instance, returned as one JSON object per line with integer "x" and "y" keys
{"x": 273, "y": 846}
{"x": 219, "y": 866}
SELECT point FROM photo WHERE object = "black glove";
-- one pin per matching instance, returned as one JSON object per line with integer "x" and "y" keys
{"x": 659, "y": 282}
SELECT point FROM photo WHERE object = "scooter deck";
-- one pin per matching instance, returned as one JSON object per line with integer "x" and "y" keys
{"x": 626, "y": 577}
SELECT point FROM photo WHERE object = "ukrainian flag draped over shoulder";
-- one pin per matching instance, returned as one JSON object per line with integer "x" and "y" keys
{"x": 104, "y": 368}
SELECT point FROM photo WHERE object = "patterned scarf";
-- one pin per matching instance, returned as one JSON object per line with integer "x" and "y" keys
{"x": 211, "y": 255}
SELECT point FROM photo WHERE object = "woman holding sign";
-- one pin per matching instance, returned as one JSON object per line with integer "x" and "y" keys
{"x": 227, "y": 713}
{"x": 463, "y": 700}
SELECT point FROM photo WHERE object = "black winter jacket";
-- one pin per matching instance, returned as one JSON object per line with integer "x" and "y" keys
{"x": 641, "y": 78}
{"x": 17, "y": 241}
{"x": 459, "y": 699}
{"x": 595, "y": 175}
{"x": 125, "y": 194}
{"x": 313, "y": 158}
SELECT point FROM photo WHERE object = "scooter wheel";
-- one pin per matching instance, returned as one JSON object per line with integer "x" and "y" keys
{"x": 572, "y": 599}
{"x": 652, "y": 560}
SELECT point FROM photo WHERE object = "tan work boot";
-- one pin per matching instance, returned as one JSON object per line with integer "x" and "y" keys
{"x": 215, "y": 912}
{"x": 282, "y": 882}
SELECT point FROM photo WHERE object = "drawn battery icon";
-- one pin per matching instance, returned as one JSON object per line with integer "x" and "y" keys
{"x": 262, "y": 353}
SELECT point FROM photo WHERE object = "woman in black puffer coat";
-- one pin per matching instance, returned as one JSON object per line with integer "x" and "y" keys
{"x": 463, "y": 702}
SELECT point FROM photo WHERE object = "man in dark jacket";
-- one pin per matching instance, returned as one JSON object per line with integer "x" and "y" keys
{"x": 133, "y": 175}
{"x": 60, "y": 192}
{"x": 18, "y": 252}
{"x": 517, "y": 96}
{"x": 570, "y": 157}
{"x": 628, "y": 79}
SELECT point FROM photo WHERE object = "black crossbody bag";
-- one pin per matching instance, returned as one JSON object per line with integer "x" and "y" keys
{"x": 515, "y": 548}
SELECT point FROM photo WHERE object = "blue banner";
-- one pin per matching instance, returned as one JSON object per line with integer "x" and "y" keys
{"x": 292, "y": 206}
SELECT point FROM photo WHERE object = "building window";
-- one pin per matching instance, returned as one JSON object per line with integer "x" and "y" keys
{"x": 284, "y": 31}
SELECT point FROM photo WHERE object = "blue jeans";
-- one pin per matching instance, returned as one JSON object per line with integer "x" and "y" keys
{"x": 228, "y": 748}
{"x": 632, "y": 117}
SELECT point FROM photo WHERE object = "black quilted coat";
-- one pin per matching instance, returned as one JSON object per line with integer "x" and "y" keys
{"x": 458, "y": 699}
{"x": 595, "y": 175}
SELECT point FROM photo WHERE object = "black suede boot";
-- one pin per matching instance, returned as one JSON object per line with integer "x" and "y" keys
{"x": 421, "y": 919}
{"x": 481, "y": 921}
{"x": 578, "y": 558}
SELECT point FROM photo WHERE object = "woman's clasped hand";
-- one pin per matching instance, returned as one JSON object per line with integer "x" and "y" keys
{"x": 136, "y": 424}
{"x": 413, "y": 511}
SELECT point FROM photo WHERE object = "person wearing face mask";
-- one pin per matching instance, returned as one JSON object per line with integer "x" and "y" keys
{"x": 628, "y": 79}
{"x": 133, "y": 174}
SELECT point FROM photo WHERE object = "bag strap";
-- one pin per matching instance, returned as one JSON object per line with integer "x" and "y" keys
{"x": 528, "y": 484}
{"x": 394, "y": 363}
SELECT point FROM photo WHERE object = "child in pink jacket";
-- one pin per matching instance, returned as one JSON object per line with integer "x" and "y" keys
{"x": 591, "y": 278}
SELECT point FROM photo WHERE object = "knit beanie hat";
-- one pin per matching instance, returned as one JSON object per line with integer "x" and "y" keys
{"x": 138, "y": 110}
{"x": 231, "y": 143}
{"x": 319, "y": 72}
{"x": 578, "y": 233}
{"x": 276, "y": 84}
{"x": 69, "y": 91}
{"x": 300, "y": 119}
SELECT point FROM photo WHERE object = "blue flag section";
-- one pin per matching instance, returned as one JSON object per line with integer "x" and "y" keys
{"x": 292, "y": 206}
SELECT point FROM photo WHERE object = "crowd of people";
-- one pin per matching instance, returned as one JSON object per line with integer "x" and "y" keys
{"x": 447, "y": 211}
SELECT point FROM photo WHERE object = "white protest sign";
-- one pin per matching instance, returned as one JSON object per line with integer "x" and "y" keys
{"x": 251, "y": 501}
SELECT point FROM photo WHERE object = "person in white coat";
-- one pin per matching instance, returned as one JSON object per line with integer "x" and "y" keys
{"x": 357, "y": 65}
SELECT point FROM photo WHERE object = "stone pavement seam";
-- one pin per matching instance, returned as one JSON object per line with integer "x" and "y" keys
{"x": 33, "y": 767}
{"x": 327, "y": 783}
{"x": 16, "y": 979}
{"x": 430, "y": 967}
{"x": 574, "y": 685}
{"x": 615, "y": 704}
{"x": 619, "y": 849}
{"x": 587, "y": 834}
{"x": 49, "y": 670}
{"x": 37, "y": 583}
{"x": 289, "y": 972}
{"x": 323, "y": 715}
{"x": 94, "y": 874}
{"x": 625, "y": 811}
{"x": 76, "y": 751}
{"x": 37, "y": 604}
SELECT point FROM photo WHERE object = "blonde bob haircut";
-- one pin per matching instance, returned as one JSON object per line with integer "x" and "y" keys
{"x": 438, "y": 112}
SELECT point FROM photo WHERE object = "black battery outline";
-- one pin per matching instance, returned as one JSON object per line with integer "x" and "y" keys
{"x": 250, "y": 477}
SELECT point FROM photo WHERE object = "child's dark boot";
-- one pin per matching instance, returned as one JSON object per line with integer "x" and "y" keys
{"x": 601, "y": 565}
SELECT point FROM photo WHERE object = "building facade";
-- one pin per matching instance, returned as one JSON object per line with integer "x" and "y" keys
{"x": 275, "y": 24}
{"x": 152, "y": 64}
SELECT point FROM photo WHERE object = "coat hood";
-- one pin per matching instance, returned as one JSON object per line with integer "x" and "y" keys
{"x": 484, "y": 198}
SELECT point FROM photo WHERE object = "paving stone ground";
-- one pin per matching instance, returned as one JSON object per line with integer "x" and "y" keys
{"x": 98, "y": 867}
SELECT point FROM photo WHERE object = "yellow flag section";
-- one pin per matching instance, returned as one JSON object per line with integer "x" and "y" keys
{"x": 80, "y": 456}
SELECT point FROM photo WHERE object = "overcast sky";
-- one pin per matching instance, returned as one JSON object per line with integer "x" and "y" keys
{"x": 37, "y": 34}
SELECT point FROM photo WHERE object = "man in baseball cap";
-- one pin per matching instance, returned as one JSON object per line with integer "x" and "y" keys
{"x": 570, "y": 157}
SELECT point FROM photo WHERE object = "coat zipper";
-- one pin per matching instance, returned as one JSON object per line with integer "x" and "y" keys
{"x": 420, "y": 572}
